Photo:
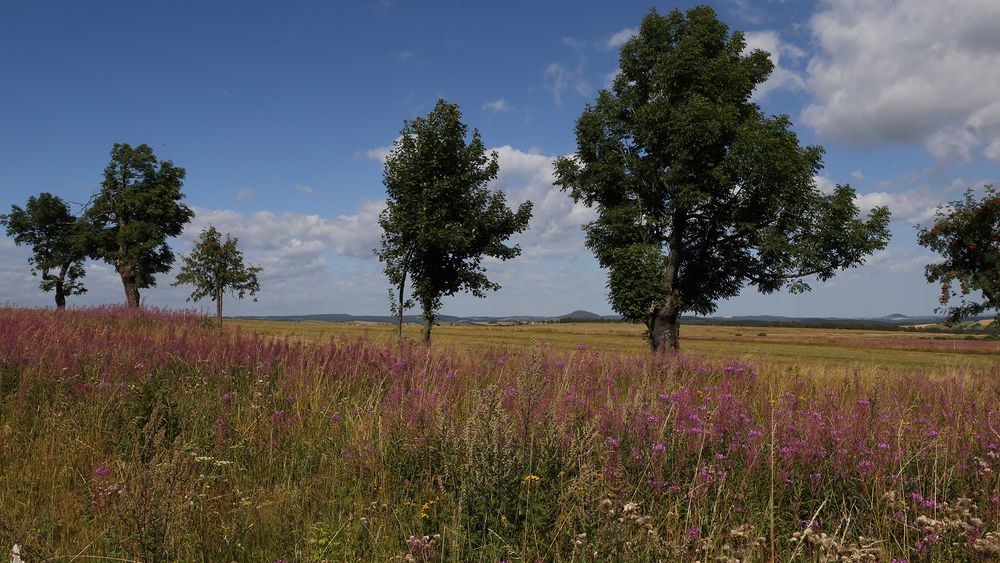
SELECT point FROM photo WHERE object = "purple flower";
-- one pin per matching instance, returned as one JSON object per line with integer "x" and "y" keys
{"x": 659, "y": 448}
{"x": 101, "y": 471}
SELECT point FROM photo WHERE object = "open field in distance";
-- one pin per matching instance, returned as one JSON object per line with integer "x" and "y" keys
{"x": 773, "y": 348}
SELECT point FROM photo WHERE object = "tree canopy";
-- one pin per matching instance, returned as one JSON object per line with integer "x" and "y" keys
{"x": 58, "y": 245}
{"x": 441, "y": 219}
{"x": 966, "y": 233}
{"x": 138, "y": 207}
{"x": 698, "y": 192}
{"x": 216, "y": 267}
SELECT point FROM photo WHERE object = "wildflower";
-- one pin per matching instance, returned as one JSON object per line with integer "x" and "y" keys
{"x": 865, "y": 464}
{"x": 659, "y": 448}
{"x": 613, "y": 442}
{"x": 426, "y": 507}
{"x": 530, "y": 478}
{"x": 101, "y": 471}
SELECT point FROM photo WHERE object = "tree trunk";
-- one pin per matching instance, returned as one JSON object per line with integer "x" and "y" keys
{"x": 218, "y": 304}
{"x": 60, "y": 295}
{"x": 428, "y": 323}
{"x": 129, "y": 283}
{"x": 399, "y": 310}
{"x": 664, "y": 326}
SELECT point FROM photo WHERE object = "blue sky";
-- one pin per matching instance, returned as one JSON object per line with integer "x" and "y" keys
{"x": 281, "y": 112}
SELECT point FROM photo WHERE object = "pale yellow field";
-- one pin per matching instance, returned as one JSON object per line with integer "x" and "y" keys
{"x": 805, "y": 349}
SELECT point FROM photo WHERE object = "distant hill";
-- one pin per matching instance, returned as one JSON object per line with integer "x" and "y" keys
{"x": 582, "y": 315}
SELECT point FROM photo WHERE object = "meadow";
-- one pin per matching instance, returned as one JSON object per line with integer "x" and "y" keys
{"x": 135, "y": 435}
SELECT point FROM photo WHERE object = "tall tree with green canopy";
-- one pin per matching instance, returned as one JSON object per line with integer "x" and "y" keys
{"x": 441, "y": 219}
{"x": 215, "y": 267}
{"x": 698, "y": 193}
{"x": 138, "y": 207}
{"x": 966, "y": 233}
{"x": 57, "y": 240}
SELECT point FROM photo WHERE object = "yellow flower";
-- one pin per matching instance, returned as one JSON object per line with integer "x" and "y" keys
{"x": 530, "y": 477}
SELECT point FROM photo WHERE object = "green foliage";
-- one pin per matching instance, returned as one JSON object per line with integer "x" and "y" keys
{"x": 138, "y": 207}
{"x": 215, "y": 267}
{"x": 441, "y": 220}
{"x": 57, "y": 242}
{"x": 698, "y": 193}
{"x": 966, "y": 234}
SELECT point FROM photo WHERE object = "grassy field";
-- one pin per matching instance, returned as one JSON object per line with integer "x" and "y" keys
{"x": 772, "y": 348}
{"x": 131, "y": 435}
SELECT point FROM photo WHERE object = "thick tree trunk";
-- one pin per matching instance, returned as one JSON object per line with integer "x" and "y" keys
{"x": 664, "y": 326}
{"x": 428, "y": 323}
{"x": 60, "y": 295}
{"x": 130, "y": 285}
{"x": 218, "y": 305}
{"x": 57, "y": 282}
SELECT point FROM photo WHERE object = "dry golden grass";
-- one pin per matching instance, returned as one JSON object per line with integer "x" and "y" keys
{"x": 775, "y": 349}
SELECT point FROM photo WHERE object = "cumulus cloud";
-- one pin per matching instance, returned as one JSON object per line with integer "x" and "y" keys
{"x": 620, "y": 38}
{"x": 914, "y": 207}
{"x": 992, "y": 152}
{"x": 781, "y": 76}
{"x": 377, "y": 154}
{"x": 559, "y": 78}
{"x": 556, "y": 220}
{"x": 296, "y": 234}
{"x": 824, "y": 184}
{"x": 497, "y": 106}
{"x": 919, "y": 71}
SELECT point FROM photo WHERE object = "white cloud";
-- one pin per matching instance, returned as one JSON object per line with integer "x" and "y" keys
{"x": 556, "y": 220}
{"x": 294, "y": 234}
{"x": 496, "y": 106}
{"x": 858, "y": 175}
{"x": 245, "y": 194}
{"x": 913, "y": 207}
{"x": 620, "y": 38}
{"x": 992, "y": 152}
{"x": 307, "y": 190}
{"x": 571, "y": 42}
{"x": 559, "y": 78}
{"x": 781, "y": 76}
{"x": 824, "y": 184}
{"x": 919, "y": 71}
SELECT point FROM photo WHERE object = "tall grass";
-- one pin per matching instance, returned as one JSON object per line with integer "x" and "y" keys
{"x": 153, "y": 436}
